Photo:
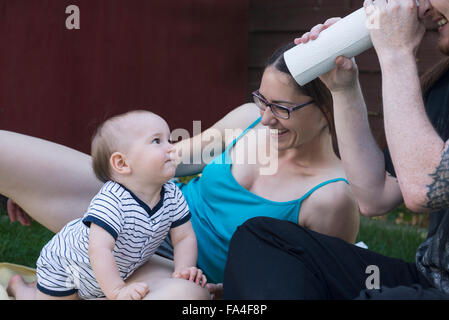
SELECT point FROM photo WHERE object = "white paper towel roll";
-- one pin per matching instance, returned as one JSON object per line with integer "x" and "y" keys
{"x": 347, "y": 37}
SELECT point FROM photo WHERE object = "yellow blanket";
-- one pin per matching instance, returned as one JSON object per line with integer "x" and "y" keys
{"x": 7, "y": 270}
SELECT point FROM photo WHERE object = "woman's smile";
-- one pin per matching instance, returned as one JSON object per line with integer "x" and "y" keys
{"x": 278, "y": 133}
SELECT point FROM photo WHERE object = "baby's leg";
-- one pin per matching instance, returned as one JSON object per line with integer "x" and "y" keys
{"x": 21, "y": 290}
{"x": 52, "y": 183}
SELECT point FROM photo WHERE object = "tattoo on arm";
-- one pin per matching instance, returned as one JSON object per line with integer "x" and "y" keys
{"x": 438, "y": 190}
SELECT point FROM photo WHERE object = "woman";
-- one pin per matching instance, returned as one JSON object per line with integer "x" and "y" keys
{"x": 308, "y": 188}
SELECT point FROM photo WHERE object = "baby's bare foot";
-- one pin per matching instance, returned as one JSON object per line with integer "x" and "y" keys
{"x": 19, "y": 289}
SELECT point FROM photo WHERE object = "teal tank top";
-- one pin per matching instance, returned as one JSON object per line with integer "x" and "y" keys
{"x": 219, "y": 204}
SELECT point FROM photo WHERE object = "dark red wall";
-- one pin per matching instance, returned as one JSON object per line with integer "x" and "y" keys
{"x": 185, "y": 60}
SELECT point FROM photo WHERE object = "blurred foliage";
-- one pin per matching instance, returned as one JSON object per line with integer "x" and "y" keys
{"x": 403, "y": 216}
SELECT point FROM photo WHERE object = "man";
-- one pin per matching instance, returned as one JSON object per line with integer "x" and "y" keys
{"x": 276, "y": 259}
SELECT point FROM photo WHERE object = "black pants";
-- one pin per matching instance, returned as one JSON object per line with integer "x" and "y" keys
{"x": 274, "y": 259}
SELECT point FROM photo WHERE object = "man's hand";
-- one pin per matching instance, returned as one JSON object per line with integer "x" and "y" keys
{"x": 396, "y": 28}
{"x": 191, "y": 274}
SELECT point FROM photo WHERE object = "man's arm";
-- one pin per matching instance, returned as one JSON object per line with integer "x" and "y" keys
{"x": 419, "y": 155}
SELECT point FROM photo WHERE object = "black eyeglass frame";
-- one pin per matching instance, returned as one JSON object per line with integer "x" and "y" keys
{"x": 256, "y": 94}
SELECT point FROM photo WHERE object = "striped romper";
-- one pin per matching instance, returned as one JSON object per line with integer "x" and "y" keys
{"x": 64, "y": 268}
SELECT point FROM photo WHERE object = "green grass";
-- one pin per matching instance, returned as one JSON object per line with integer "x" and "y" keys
{"x": 22, "y": 245}
{"x": 19, "y": 244}
{"x": 393, "y": 240}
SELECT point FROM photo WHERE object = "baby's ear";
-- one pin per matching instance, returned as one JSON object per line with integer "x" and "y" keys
{"x": 118, "y": 163}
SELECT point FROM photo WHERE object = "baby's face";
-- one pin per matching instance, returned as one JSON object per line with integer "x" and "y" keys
{"x": 150, "y": 154}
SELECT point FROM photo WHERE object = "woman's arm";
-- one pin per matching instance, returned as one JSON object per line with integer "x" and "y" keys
{"x": 375, "y": 191}
{"x": 195, "y": 153}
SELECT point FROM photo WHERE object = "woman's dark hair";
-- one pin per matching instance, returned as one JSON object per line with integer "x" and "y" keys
{"x": 315, "y": 89}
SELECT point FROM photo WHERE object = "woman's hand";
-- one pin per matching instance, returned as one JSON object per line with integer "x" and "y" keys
{"x": 16, "y": 213}
{"x": 191, "y": 274}
{"x": 396, "y": 28}
{"x": 215, "y": 290}
{"x": 345, "y": 75}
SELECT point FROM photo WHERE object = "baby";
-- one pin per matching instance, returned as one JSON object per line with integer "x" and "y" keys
{"x": 126, "y": 221}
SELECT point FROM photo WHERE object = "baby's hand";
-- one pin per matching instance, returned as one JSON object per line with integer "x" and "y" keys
{"x": 133, "y": 291}
{"x": 191, "y": 274}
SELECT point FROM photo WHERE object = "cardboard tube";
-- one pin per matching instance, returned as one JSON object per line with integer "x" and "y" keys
{"x": 347, "y": 37}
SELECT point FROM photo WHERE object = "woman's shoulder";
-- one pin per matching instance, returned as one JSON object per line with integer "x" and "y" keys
{"x": 333, "y": 210}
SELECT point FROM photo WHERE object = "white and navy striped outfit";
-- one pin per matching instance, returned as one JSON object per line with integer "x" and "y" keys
{"x": 63, "y": 267}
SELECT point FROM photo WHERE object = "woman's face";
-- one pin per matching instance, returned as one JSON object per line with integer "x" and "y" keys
{"x": 304, "y": 124}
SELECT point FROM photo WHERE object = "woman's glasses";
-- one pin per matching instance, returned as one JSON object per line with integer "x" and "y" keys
{"x": 278, "y": 110}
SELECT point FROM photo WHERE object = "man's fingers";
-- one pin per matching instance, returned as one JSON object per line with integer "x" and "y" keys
{"x": 381, "y": 4}
{"x": 367, "y": 3}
